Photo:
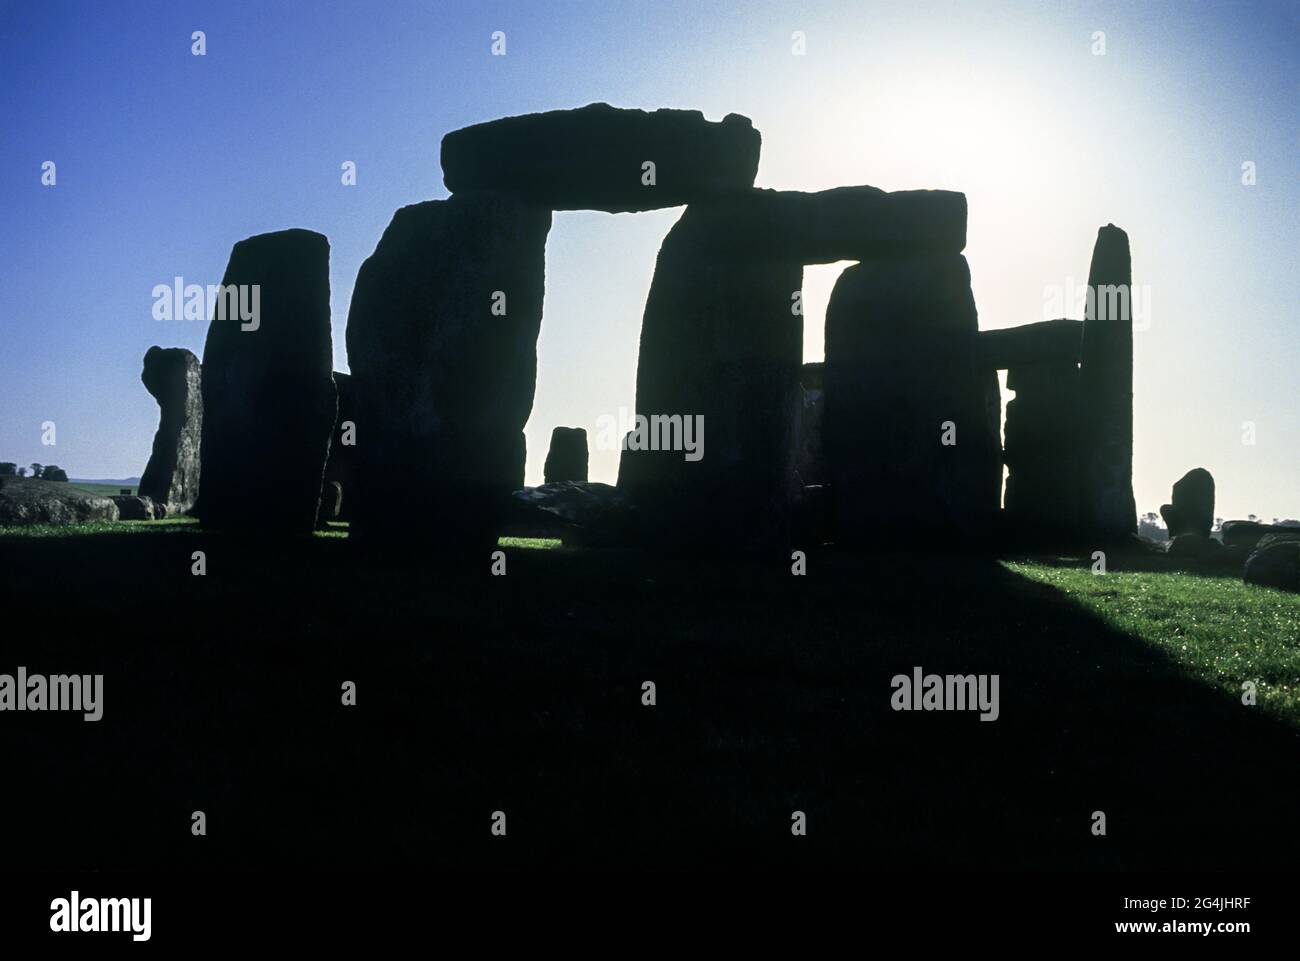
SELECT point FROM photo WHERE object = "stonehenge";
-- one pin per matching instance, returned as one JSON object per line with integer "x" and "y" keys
{"x": 736, "y": 440}
{"x": 268, "y": 396}
{"x": 566, "y": 460}
{"x": 171, "y": 478}
{"x": 442, "y": 345}
{"x": 1192, "y": 510}
{"x": 1106, "y": 381}
{"x": 908, "y": 443}
{"x": 596, "y": 157}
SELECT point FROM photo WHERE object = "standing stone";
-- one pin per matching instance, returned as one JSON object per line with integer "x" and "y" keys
{"x": 567, "y": 458}
{"x": 268, "y": 398}
{"x": 594, "y": 158}
{"x": 718, "y": 372}
{"x": 442, "y": 345}
{"x": 341, "y": 468}
{"x": 901, "y": 379}
{"x": 1106, "y": 391}
{"x": 1042, "y": 451}
{"x": 1192, "y": 510}
{"x": 171, "y": 479}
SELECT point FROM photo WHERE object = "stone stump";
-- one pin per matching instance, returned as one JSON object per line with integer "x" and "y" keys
{"x": 1192, "y": 510}
{"x": 566, "y": 460}
{"x": 171, "y": 478}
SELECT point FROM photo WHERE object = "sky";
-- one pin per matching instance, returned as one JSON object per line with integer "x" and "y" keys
{"x": 165, "y": 159}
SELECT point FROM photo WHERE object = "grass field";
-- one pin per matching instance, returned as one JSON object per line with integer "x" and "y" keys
{"x": 522, "y": 693}
{"x": 105, "y": 490}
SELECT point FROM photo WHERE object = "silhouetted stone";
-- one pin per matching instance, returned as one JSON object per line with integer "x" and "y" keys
{"x": 1243, "y": 535}
{"x": 567, "y": 458}
{"x": 134, "y": 508}
{"x": 1042, "y": 452}
{"x": 718, "y": 372}
{"x": 341, "y": 467}
{"x": 171, "y": 479}
{"x": 592, "y": 158}
{"x": 844, "y": 223}
{"x": 25, "y": 500}
{"x": 1275, "y": 562}
{"x": 444, "y": 386}
{"x": 1192, "y": 510}
{"x": 901, "y": 378}
{"x": 1054, "y": 342}
{"x": 1106, "y": 391}
{"x": 592, "y": 514}
{"x": 1195, "y": 547}
{"x": 268, "y": 397}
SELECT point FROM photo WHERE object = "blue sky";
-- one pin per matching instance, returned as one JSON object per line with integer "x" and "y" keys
{"x": 165, "y": 160}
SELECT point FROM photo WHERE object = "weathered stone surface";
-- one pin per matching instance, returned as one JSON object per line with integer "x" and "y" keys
{"x": 268, "y": 398}
{"x": 130, "y": 508}
{"x": 443, "y": 385}
{"x": 1192, "y": 510}
{"x": 1042, "y": 452}
{"x": 844, "y": 223}
{"x": 592, "y": 157}
{"x": 567, "y": 458}
{"x": 24, "y": 500}
{"x": 173, "y": 376}
{"x": 341, "y": 467}
{"x": 900, "y": 368}
{"x": 1275, "y": 562}
{"x": 1055, "y": 342}
{"x": 1195, "y": 547}
{"x": 593, "y": 514}
{"x": 1244, "y": 535}
{"x": 1106, "y": 390}
{"x": 718, "y": 385}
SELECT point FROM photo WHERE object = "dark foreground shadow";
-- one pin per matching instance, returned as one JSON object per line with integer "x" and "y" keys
{"x": 523, "y": 694}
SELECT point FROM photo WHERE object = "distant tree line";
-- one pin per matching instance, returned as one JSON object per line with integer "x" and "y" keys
{"x": 49, "y": 472}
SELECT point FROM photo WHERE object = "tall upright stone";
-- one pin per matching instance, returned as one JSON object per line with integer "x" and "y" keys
{"x": 909, "y": 445}
{"x": 566, "y": 460}
{"x": 1192, "y": 510}
{"x": 268, "y": 396}
{"x": 173, "y": 376}
{"x": 722, "y": 341}
{"x": 442, "y": 345}
{"x": 1106, "y": 390}
{"x": 712, "y": 463}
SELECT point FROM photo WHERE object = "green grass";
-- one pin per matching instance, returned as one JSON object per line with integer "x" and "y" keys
{"x": 1222, "y": 631}
{"x": 170, "y": 525}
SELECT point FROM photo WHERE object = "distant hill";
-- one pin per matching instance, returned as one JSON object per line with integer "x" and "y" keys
{"x": 120, "y": 482}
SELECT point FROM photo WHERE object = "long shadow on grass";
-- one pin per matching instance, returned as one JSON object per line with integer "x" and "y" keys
{"x": 524, "y": 694}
